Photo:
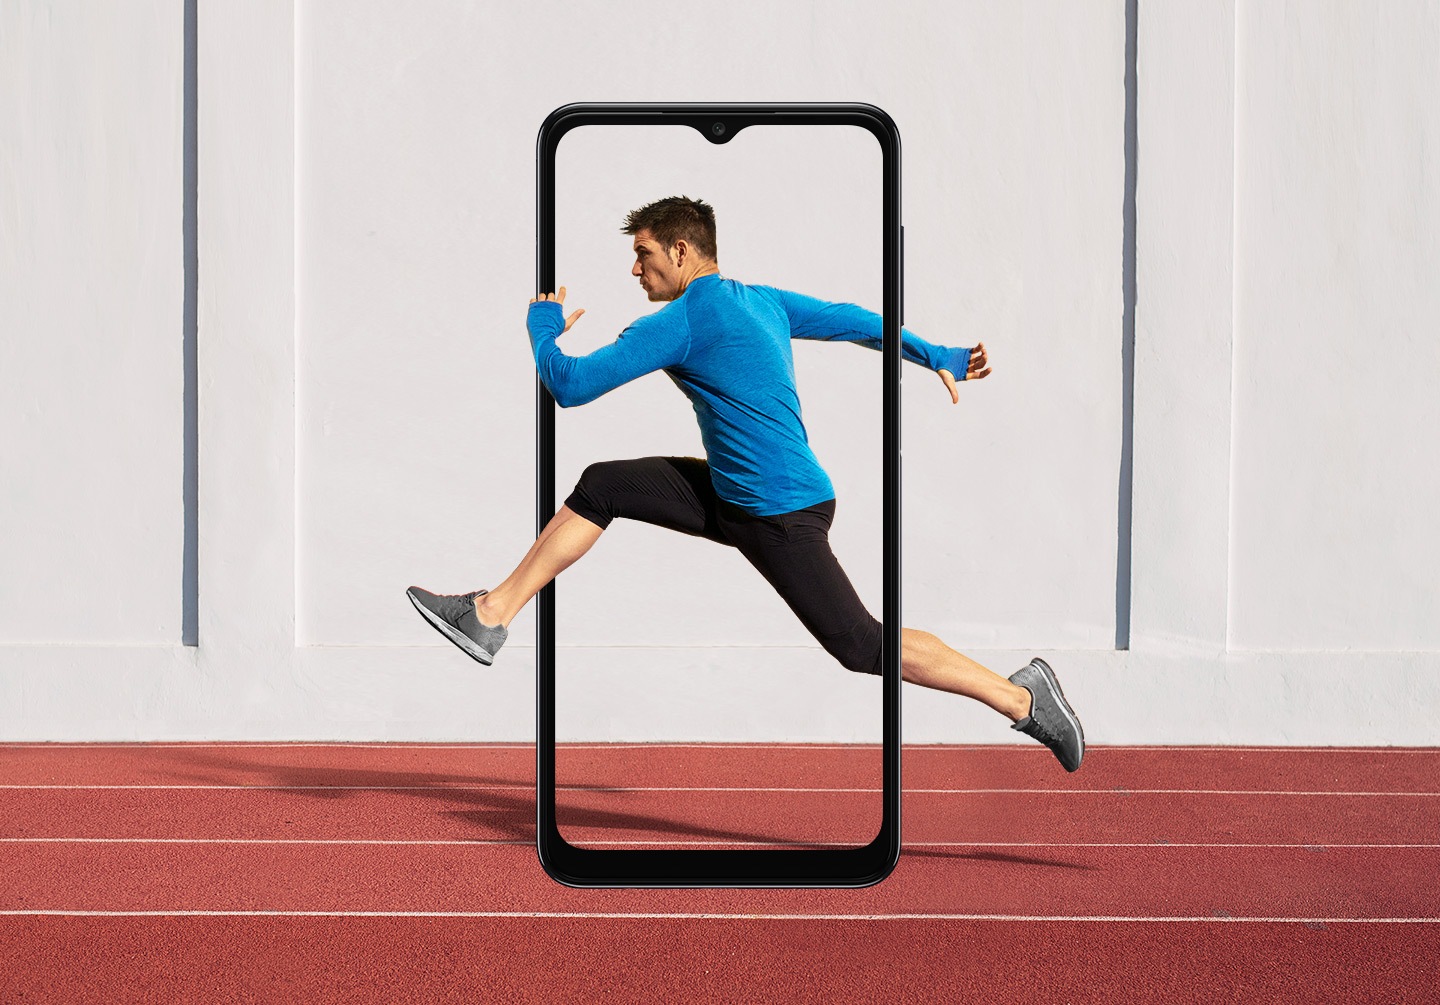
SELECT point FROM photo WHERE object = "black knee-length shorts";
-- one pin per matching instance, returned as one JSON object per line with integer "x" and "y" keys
{"x": 791, "y": 550}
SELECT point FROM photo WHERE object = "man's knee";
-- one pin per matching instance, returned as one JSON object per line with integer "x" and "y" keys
{"x": 867, "y": 662}
{"x": 860, "y": 649}
{"x": 596, "y": 475}
{"x": 594, "y": 494}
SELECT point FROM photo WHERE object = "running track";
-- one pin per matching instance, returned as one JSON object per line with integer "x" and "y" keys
{"x": 407, "y": 872}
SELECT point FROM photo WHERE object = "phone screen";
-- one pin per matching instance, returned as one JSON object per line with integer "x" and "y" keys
{"x": 718, "y": 671}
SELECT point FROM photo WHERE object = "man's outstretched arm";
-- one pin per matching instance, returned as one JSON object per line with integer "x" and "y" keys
{"x": 650, "y": 343}
{"x": 813, "y": 318}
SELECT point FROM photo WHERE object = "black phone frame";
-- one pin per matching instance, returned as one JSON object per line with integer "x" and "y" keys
{"x": 823, "y": 867}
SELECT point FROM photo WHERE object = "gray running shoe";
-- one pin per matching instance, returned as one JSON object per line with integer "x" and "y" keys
{"x": 453, "y": 616}
{"x": 1051, "y": 720}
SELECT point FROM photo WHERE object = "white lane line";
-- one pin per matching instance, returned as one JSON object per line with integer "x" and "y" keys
{"x": 376, "y": 788}
{"x": 160, "y": 840}
{"x": 463, "y": 787}
{"x": 517, "y": 745}
{"x": 657, "y": 744}
{"x": 1309, "y": 846}
{"x": 709, "y": 916}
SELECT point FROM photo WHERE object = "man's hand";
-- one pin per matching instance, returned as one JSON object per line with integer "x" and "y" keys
{"x": 560, "y": 299}
{"x": 974, "y": 371}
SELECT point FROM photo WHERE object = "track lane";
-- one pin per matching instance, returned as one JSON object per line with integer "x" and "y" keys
{"x": 548, "y": 960}
{"x": 1150, "y": 881}
{"x": 461, "y": 814}
{"x": 948, "y": 767}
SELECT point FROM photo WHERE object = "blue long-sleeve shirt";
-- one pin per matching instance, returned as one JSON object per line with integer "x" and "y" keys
{"x": 726, "y": 345}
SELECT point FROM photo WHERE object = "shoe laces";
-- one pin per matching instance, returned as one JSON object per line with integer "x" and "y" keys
{"x": 456, "y": 604}
{"x": 1043, "y": 732}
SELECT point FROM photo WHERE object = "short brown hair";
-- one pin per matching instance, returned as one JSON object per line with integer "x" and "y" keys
{"x": 670, "y": 220}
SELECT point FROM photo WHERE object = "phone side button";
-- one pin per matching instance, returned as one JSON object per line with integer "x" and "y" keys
{"x": 902, "y": 274}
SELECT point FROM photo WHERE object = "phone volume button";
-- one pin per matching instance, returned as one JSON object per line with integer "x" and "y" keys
{"x": 902, "y": 274}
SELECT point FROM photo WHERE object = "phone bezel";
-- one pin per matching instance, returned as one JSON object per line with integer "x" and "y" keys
{"x": 849, "y": 867}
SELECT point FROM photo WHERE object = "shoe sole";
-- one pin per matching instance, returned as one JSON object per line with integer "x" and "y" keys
{"x": 459, "y": 638}
{"x": 1065, "y": 708}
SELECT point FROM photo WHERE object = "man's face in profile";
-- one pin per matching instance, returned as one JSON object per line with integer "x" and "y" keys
{"x": 658, "y": 270}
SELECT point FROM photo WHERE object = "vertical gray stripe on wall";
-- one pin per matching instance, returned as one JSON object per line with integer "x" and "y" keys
{"x": 190, "y": 564}
{"x": 1127, "y": 343}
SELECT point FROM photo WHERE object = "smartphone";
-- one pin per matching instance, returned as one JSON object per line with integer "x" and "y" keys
{"x": 718, "y": 676}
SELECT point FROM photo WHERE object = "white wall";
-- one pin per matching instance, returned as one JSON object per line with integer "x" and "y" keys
{"x": 365, "y": 390}
{"x": 91, "y": 286}
{"x": 1335, "y": 541}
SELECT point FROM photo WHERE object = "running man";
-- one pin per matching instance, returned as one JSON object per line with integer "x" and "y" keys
{"x": 760, "y": 488}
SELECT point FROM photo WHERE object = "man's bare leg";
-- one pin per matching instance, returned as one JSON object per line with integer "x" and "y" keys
{"x": 565, "y": 538}
{"x": 927, "y": 661}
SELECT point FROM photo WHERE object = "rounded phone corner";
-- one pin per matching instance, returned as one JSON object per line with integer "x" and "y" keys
{"x": 879, "y": 123}
{"x": 888, "y": 844}
{"x": 555, "y": 125}
{"x": 546, "y": 855}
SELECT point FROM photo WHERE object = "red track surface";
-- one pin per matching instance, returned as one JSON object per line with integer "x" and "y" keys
{"x": 1152, "y": 874}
